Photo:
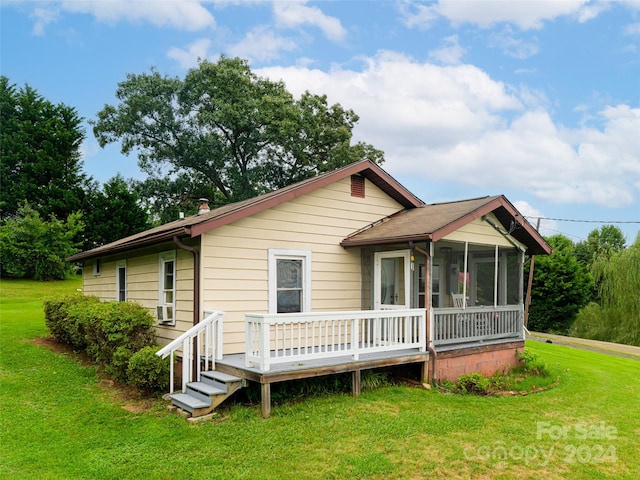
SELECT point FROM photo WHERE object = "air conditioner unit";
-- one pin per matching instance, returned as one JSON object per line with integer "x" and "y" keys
{"x": 165, "y": 313}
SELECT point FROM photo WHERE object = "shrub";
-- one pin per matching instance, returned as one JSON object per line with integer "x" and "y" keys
{"x": 531, "y": 365}
{"x": 473, "y": 383}
{"x": 148, "y": 372}
{"x": 110, "y": 332}
{"x": 120, "y": 329}
{"x": 66, "y": 316}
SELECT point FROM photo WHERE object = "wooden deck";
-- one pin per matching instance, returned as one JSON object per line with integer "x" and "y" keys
{"x": 235, "y": 365}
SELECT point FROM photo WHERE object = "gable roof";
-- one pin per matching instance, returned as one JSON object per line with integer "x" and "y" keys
{"x": 434, "y": 222}
{"x": 196, "y": 225}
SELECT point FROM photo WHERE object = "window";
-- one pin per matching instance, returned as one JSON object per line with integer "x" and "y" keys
{"x": 121, "y": 281}
{"x": 97, "y": 266}
{"x": 167, "y": 287}
{"x": 289, "y": 281}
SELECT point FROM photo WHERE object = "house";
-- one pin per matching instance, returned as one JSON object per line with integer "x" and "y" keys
{"x": 342, "y": 272}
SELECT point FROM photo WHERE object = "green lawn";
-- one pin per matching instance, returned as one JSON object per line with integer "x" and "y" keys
{"x": 57, "y": 422}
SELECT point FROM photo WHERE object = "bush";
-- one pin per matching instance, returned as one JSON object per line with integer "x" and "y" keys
{"x": 531, "y": 365}
{"x": 119, "y": 329}
{"x": 473, "y": 383}
{"x": 110, "y": 332}
{"x": 148, "y": 372}
{"x": 66, "y": 317}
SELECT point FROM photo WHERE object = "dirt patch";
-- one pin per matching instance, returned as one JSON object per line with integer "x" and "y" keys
{"x": 127, "y": 397}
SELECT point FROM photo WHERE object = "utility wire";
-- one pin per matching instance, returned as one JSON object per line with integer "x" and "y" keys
{"x": 583, "y": 221}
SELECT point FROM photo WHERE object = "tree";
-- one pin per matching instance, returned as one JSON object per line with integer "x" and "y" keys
{"x": 112, "y": 213}
{"x": 225, "y": 133}
{"x": 33, "y": 248}
{"x": 617, "y": 318}
{"x": 561, "y": 287}
{"x": 40, "y": 154}
{"x": 605, "y": 241}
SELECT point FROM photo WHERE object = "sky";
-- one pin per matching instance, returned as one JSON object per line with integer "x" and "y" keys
{"x": 536, "y": 100}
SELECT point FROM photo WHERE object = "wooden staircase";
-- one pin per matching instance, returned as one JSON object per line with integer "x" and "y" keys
{"x": 201, "y": 398}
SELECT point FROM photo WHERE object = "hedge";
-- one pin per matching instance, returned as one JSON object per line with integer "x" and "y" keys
{"x": 111, "y": 333}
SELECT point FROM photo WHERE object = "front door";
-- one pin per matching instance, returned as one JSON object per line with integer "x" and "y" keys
{"x": 392, "y": 285}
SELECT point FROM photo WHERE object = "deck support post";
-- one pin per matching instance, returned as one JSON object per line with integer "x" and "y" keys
{"x": 265, "y": 399}
{"x": 355, "y": 383}
{"x": 424, "y": 372}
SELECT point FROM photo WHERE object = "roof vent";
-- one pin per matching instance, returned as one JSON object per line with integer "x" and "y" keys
{"x": 357, "y": 186}
{"x": 204, "y": 206}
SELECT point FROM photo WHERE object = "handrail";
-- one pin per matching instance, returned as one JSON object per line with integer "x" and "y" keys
{"x": 290, "y": 337}
{"x": 202, "y": 342}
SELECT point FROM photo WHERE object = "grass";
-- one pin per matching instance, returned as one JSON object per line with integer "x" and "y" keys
{"x": 58, "y": 422}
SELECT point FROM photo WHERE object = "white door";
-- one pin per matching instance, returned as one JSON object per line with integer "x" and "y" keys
{"x": 392, "y": 284}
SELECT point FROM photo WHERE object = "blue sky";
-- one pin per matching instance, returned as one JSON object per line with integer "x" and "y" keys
{"x": 538, "y": 100}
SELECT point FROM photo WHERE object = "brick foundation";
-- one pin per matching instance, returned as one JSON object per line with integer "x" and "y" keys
{"x": 488, "y": 360}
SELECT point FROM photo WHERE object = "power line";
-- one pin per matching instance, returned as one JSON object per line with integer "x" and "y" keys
{"x": 584, "y": 221}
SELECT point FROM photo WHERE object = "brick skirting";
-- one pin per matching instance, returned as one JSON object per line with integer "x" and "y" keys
{"x": 488, "y": 360}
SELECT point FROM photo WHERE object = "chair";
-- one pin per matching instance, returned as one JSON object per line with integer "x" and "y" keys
{"x": 458, "y": 300}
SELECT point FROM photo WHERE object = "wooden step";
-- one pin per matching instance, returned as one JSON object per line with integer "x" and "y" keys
{"x": 189, "y": 403}
{"x": 219, "y": 379}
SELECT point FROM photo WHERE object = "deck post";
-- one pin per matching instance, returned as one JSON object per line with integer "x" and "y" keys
{"x": 355, "y": 383}
{"x": 265, "y": 399}
{"x": 424, "y": 372}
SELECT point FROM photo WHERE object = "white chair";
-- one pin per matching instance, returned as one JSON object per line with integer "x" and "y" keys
{"x": 458, "y": 300}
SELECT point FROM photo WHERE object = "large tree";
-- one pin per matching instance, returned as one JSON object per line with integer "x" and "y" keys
{"x": 561, "y": 287}
{"x": 617, "y": 317}
{"x": 33, "y": 248}
{"x": 225, "y": 133}
{"x": 40, "y": 154}
{"x": 606, "y": 241}
{"x": 112, "y": 212}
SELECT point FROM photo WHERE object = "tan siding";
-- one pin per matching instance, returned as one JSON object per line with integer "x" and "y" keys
{"x": 142, "y": 287}
{"x": 480, "y": 232}
{"x": 235, "y": 257}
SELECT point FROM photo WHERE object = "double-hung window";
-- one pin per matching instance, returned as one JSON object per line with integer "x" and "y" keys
{"x": 167, "y": 287}
{"x": 121, "y": 281}
{"x": 289, "y": 281}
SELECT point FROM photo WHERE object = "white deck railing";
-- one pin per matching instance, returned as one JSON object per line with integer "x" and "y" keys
{"x": 458, "y": 326}
{"x": 202, "y": 342}
{"x": 294, "y": 337}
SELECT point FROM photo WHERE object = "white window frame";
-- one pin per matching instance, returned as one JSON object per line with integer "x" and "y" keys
{"x": 276, "y": 254}
{"x": 163, "y": 259}
{"x": 121, "y": 264}
{"x": 97, "y": 267}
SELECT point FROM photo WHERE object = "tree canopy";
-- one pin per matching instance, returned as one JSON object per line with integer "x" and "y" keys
{"x": 113, "y": 212}
{"x": 617, "y": 317}
{"x": 39, "y": 153}
{"x": 561, "y": 287}
{"x": 225, "y": 133}
{"x": 31, "y": 247}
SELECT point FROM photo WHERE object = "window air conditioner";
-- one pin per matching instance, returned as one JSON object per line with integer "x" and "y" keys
{"x": 165, "y": 313}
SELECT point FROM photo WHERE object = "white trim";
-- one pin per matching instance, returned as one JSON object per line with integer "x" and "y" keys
{"x": 163, "y": 258}
{"x": 278, "y": 253}
{"x": 121, "y": 264}
{"x": 97, "y": 267}
{"x": 378, "y": 256}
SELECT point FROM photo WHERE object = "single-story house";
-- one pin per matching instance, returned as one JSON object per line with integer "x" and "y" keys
{"x": 342, "y": 272}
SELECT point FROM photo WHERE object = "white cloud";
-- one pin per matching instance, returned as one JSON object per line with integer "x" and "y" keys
{"x": 632, "y": 29}
{"x": 184, "y": 15}
{"x": 449, "y": 53}
{"x": 293, "y": 14}
{"x": 455, "y": 123}
{"x": 261, "y": 44}
{"x": 547, "y": 227}
{"x": 526, "y": 14}
{"x": 513, "y": 46}
{"x": 188, "y": 58}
